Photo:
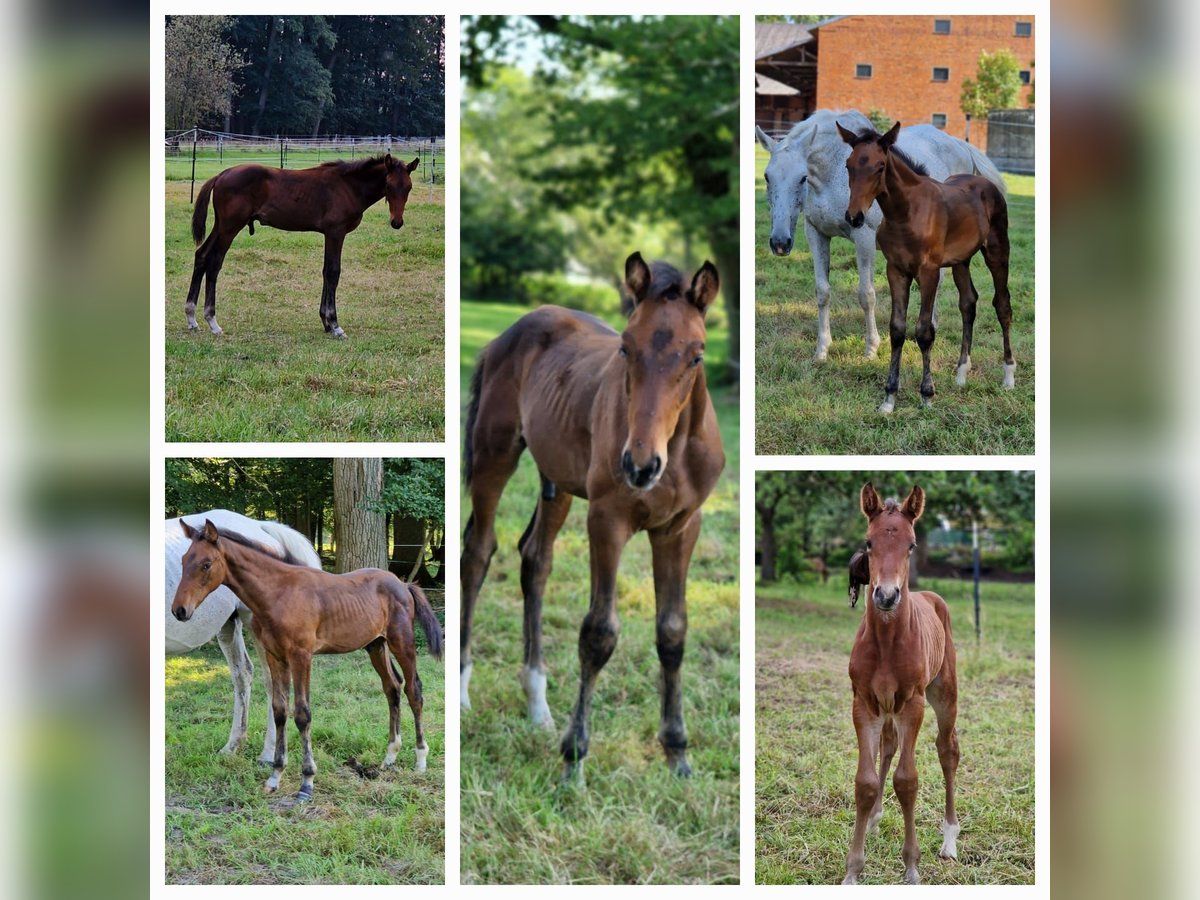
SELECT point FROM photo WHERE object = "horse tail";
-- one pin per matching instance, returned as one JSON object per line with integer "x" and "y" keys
{"x": 472, "y": 415}
{"x": 200, "y": 213}
{"x": 985, "y": 167}
{"x": 427, "y": 619}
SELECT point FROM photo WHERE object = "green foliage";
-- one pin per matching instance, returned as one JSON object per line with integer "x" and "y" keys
{"x": 880, "y": 120}
{"x": 996, "y": 85}
{"x": 201, "y": 70}
{"x": 415, "y": 488}
{"x": 557, "y": 290}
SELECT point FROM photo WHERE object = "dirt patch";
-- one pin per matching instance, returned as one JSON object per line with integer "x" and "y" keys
{"x": 367, "y": 772}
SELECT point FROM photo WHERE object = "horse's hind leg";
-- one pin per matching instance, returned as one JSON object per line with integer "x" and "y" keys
{"x": 995, "y": 254}
{"x": 213, "y": 263}
{"x": 943, "y": 697}
{"x": 199, "y": 267}
{"x": 378, "y": 651}
{"x": 241, "y": 672}
{"x": 899, "y": 284}
{"x": 537, "y": 557}
{"x": 280, "y": 678}
{"x": 864, "y": 249}
{"x": 405, "y": 650}
{"x": 968, "y": 297}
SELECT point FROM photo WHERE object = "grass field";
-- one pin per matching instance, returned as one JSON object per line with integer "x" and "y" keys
{"x": 221, "y": 828}
{"x": 804, "y": 407}
{"x": 275, "y": 375}
{"x": 806, "y": 753}
{"x": 634, "y": 822}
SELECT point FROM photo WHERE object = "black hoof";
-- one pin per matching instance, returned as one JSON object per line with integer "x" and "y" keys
{"x": 303, "y": 796}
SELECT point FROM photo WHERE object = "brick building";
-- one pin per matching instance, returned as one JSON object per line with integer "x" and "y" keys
{"x": 911, "y": 68}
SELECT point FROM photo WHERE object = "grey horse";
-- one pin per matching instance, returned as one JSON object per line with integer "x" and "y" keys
{"x": 807, "y": 174}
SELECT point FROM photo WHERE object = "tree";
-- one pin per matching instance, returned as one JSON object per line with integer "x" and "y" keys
{"x": 200, "y": 70}
{"x": 996, "y": 86}
{"x": 358, "y": 518}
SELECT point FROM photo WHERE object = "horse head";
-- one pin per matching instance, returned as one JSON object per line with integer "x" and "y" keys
{"x": 787, "y": 186}
{"x": 866, "y": 166}
{"x": 663, "y": 350}
{"x": 397, "y": 186}
{"x": 204, "y": 569}
{"x": 891, "y": 540}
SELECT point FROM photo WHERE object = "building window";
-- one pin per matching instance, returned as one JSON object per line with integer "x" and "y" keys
{"x": 941, "y": 26}
{"x": 1024, "y": 29}
{"x": 938, "y": 120}
{"x": 1026, "y": 76}
{"x": 862, "y": 70}
{"x": 941, "y": 73}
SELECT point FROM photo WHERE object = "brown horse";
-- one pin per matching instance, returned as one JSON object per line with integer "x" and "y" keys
{"x": 623, "y": 421}
{"x": 329, "y": 198}
{"x": 300, "y": 612}
{"x": 929, "y": 225}
{"x": 903, "y": 655}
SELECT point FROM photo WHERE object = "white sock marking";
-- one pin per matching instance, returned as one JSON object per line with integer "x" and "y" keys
{"x": 1010, "y": 376}
{"x": 534, "y": 683}
{"x": 422, "y": 754}
{"x": 949, "y": 840}
{"x": 464, "y": 687}
{"x": 960, "y": 377}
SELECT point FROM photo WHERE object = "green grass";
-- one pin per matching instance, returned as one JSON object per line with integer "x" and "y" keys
{"x": 275, "y": 375}
{"x": 806, "y": 753}
{"x": 804, "y": 407}
{"x": 221, "y": 828}
{"x": 634, "y": 822}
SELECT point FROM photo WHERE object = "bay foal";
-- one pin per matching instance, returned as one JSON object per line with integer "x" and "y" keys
{"x": 929, "y": 225}
{"x": 903, "y": 655}
{"x": 300, "y": 612}
{"x": 623, "y": 421}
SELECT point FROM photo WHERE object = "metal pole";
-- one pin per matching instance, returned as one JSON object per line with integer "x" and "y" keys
{"x": 281, "y": 151}
{"x": 220, "y": 150}
{"x": 193, "y": 199}
{"x": 975, "y": 560}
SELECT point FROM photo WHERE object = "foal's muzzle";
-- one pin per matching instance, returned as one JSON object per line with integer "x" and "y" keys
{"x": 397, "y": 223}
{"x": 856, "y": 220}
{"x": 886, "y": 599}
{"x": 641, "y": 478}
{"x": 181, "y": 614}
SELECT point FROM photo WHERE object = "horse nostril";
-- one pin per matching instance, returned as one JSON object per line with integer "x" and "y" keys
{"x": 656, "y": 465}
{"x": 627, "y": 462}
{"x": 181, "y": 614}
{"x": 396, "y": 224}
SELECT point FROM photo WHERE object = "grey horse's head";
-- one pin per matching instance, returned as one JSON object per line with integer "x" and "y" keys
{"x": 787, "y": 185}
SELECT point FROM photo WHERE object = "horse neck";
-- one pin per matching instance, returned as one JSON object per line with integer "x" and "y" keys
{"x": 899, "y": 179}
{"x": 370, "y": 183}
{"x": 250, "y": 575}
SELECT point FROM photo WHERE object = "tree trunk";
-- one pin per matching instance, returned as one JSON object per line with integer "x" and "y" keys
{"x": 767, "y": 517}
{"x": 728, "y": 267}
{"x": 264, "y": 91}
{"x": 358, "y": 527}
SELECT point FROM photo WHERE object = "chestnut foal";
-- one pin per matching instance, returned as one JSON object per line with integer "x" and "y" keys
{"x": 623, "y": 421}
{"x": 300, "y": 612}
{"x": 929, "y": 225}
{"x": 903, "y": 655}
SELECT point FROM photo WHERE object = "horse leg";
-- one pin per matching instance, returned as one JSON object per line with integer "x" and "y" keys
{"x": 672, "y": 553}
{"x": 405, "y": 652}
{"x": 887, "y": 749}
{"x": 378, "y": 651}
{"x": 867, "y": 787}
{"x": 216, "y": 259}
{"x": 331, "y": 274}
{"x": 943, "y": 697}
{"x": 607, "y": 536}
{"x": 995, "y": 254}
{"x": 198, "y": 269}
{"x": 904, "y": 782}
{"x": 968, "y": 297}
{"x": 241, "y": 672}
{"x": 537, "y": 557}
{"x": 927, "y": 281}
{"x": 899, "y": 285}
{"x": 864, "y": 251}
{"x": 818, "y": 245}
{"x": 301, "y": 666}
{"x": 267, "y": 757}
{"x": 280, "y": 678}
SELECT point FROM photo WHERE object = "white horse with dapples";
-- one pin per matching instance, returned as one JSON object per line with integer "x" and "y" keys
{"x": 223, "y": 615}
{"x": 807, "y": 174}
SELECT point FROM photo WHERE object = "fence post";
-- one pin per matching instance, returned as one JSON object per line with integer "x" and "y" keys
{"x": 220, "y": 149}
{"x": 281, "y": 151}
{"x": 975, "y": 564}
{"x": 193, "y": 196}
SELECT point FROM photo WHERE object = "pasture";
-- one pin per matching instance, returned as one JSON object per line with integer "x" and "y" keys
{"x": 806, "y": 754}
{"x": 803, "y": 407}
{"x": 375, "y": 828}
{"x": 634, "y": 822}
{"x": 275, "y": 375}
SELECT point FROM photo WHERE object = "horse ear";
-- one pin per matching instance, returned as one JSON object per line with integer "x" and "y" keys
{"x": 768, "y": 143}
{"x": 188, "y": 531}
{"x": 637, "y": 277}
{"x": 389, "y": 162}
{"x": 847, "y": 135}
{"x": 705, "y": 284}
{"x": 890, "y": 138}
{"x": 869, "y": 501}
{"x": 413, "y": 165}
{"x": 210, "y": 531}
{"x": 914, "y": 504}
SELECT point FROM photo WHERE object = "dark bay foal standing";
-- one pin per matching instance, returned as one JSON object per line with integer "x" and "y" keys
{"x": 329, "y": 199}
{"x": 929, "y": 225}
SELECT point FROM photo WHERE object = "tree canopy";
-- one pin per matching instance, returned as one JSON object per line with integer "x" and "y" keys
{"x": 996, "y": 85}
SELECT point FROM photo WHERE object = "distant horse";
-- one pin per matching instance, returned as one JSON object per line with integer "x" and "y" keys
{"x": 299, "y": 612}
{"x": 859, "y": 570}
{"x": 929, "y": 225}
{"x": 623, "y": 421}
{"x": 329, "y": 198}
{"x": 223, "y": 615}
{"x": 903, "y": 655}
{"x": 806, "y": 174}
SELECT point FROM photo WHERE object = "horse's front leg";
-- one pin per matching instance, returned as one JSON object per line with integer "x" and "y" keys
{"x": 818, "y": 245}
{"x": 241, "y": 673}
{"x": 607, "y": 535}
{"x": 331, "y": 274}
{"x": 267, "y": 757}
{"x": 280, "y": 678}
{"x": 301, "y": 666}
{"x": 927, "y": 280}
{"x": 908, "y": 726}
{"x": 867, "y": 727}
{"x": 899, "y": 285}
{"x": 864, "y": 251}
{"x": 672, "y": 553}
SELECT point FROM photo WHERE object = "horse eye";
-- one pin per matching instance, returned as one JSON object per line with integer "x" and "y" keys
{"x": 206, "y": 566}
{"x": 868, "y": 546}
{"x": 803, "y": 178}
{"x": 624, "y": 353}
{"x": 697, "y": 360}
{"x": 767, "y": 177}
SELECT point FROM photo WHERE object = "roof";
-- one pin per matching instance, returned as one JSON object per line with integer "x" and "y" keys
{"x": 771, "y": 39}
{"x": 770, "y": 87}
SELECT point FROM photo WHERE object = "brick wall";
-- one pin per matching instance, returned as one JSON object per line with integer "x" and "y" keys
{"x": 903, "y": 51}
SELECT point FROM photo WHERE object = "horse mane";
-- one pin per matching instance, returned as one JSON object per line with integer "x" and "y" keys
{"x": 287, "y": 556}
{"x": 666, "y": 281}
{"x": 870, "y": 134}
{"x": 891, "y": 505}
{"x": 354, "y": 166}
